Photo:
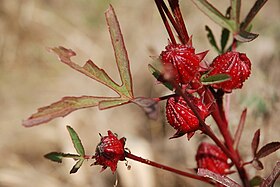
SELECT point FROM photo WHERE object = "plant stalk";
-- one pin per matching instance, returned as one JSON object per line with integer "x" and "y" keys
{"x": 167, "y": 168}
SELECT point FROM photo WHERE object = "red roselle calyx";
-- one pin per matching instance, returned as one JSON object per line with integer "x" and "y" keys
{"x": 211, "y": 157}
{"x": 182, "y": 118}
{"x": 236, "y": 65}
{"x": 109, "y": 151}
{"x": 180, "y": 63}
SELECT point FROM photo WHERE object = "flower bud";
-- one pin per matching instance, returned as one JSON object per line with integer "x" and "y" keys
{"x": 180, "y": 62}
{"x": 109, "y": 151}
{"x": 236, "y": 65}
{"x": 211, "y": 157}
{"x": 181, "y": 117}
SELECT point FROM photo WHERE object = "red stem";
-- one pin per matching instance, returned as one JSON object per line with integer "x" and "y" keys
{"x": 203, "y": 126}
{"x": 162, "y": 6}
{"x": 230, "y": 152}
{"x": 165, "y": 21}
{"x": 174, "y": 4}
{"x": 219, "y": 116}
{"x": 167, "y": 168}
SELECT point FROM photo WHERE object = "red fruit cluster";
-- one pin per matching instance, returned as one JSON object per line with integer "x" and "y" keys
{"x": 211, "y": 157}
{"x": 180, "y": 62}
{"x": 109, "y": 151}
{"x": 181, "y": 117}
{"x": 236, "y": 65}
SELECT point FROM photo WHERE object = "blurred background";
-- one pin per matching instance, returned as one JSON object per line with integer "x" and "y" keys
{"x": 31, "y": 77}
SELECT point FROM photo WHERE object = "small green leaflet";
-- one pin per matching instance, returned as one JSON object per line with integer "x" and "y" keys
{"x": 77, "y": 166}
{"x": 76, "y": 141}
{"x": 214, "y": 79}
{"x": 256, "y": 181}
{"x": 211, "y": 38}
{"x": 224, "y": 39}
{"x": 57, "y": 156}
{"x": 157, "y": 74}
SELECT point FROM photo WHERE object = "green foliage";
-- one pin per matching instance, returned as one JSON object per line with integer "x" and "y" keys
{"x": 158, "y": 75}
{"x": 224, "y": 39}
{"x": 215, "y": 15}
{"x": 69, "y": 104}
{"x": 212, "y": 39}
{"x": 80, "y": 157}
{"x": 76, "y": 141}
{"x": 214, "y": 79}
{"x": 57, "y": 156}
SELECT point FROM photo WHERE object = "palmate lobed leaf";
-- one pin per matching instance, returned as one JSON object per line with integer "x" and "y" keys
{"x": 69, "y": 104}
{"x": 62, "y": 108}
{"x": 120, "y": 51}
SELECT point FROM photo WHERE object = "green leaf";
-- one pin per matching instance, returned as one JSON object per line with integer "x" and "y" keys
{"x": 77, "y": 166}
{"x": 224, "y": 39}
{"x": 62, "y": 108}
{"x": 256, "y": 181}
{"x": 120, "y": 51}
{"x": 244, "y": 36}
{"x": 157, "y": 74}
{"x": 112, "y": 103}
{"x": 69, "y": 104}
{"x": 57, "y": 156}
{"x": 211, "y": 38}
{"x": 76, "y": 141}
{"x": 215, "y": 15}
{"x": 214, "y": 79}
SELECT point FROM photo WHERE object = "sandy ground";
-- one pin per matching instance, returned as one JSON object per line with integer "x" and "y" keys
{"x": 31, "y": 77}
